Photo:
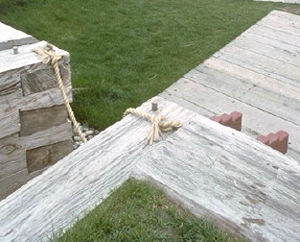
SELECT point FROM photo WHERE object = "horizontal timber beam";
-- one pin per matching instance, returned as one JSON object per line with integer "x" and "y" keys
{"x": 214, "y": 170}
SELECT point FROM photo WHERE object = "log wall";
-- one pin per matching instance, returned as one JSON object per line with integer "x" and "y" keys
{"x": 34, "y": 130}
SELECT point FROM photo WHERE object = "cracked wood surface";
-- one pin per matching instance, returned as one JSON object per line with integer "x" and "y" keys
{"x": 213, "y": 170}
{"x": 256, "y": 74}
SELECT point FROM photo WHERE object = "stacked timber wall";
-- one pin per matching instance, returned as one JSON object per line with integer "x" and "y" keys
{"x": 34, "y": 129}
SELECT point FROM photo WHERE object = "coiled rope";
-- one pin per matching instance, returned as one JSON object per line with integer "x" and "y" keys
{"x": 158, "y": 124}
{"x": 48, "y": 55}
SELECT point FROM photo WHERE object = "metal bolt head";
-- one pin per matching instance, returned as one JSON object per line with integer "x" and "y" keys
{"x": 154, "y": 106}
{"x": 15, "y": 50}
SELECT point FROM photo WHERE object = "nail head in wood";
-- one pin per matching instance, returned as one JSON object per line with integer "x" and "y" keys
{"x": 154, "y": 106}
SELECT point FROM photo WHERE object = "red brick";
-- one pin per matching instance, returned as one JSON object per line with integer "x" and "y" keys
{"x": 278, "y": 141}
{"x": 263, "y": 139}
{"x": 237, "y": 120}
{"x": 233, "y": 120}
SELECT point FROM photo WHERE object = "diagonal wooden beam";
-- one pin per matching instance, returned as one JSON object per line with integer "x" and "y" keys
{"x": 213, "y": 170}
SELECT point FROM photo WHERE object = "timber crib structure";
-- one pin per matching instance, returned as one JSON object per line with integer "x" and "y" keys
{"x": 34, "y": 130}
{"x": 215, "y": 171}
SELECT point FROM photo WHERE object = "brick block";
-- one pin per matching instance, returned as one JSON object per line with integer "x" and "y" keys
{"x": 232, "y": 120}
{"x": 278, "y": 141}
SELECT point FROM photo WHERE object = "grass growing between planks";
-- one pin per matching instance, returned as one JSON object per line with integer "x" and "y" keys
{"x": 138, "y": 211}
{"x": 124, "y": 52}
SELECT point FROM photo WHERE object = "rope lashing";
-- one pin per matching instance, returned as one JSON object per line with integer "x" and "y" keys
{"x": 158, "y": 124}
{"x": 48, "y": 55}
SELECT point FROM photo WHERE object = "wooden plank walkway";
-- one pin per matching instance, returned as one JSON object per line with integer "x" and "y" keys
{"x": 215, "y": 171}
{"x": 257, "y": 74}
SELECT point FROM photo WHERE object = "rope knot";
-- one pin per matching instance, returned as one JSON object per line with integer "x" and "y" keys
{"x": 159, "y": 124}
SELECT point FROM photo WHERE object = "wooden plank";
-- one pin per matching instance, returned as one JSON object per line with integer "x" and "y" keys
{"x": 12, "y": 158}
{"x": 42, "y": 79}
{"x": 269, "y": 100}
{"x": 45, "y": 99}
{"x": 44, "y": 156}
{"x": 46, "y": 137}
{"x": 265, "y": 81}
{"x": 267, "y": 50}
{"x": 9, "y": 83}
{"x": 271, "y": 42}
{"x": 11, "y": 183}
{"x": 225, "y": 174}
{"x": 9, "y": 122}
{"x": 282, "y": 71}
{"x": 13, "y": 148}
{"x": 38, "y": 81}
{"x": 255, "y": 120}
{"x": 26, "y": 57}
{"x": 36, "y": 120}
{"x": 272, "y": 34}
{"x": 281, "y": 18}
{"x": 10, "y": 105}
{"x": 78, "y": 182}
{"x": 11, "y": 37}
{"x": 282, "y": 24}
{"x": 15, "y": 181}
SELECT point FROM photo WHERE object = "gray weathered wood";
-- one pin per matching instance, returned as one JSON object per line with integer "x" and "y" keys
{"x": 26, "y": 57}
{"x": 256, "y": 74}
{"x": 87, "y": 176}
{"x": 43, "y": 79}
{"x": 202, "y": 99}
{"x": 248, "y": 92}
{"x": 11, "y": 183}
{"x": 32, "y": 119}
{"x": 215, "y": 171}
{"x": 41, "y": 119}
{"x": 44, "y": 156}
{"x": 13, "y": 149}
{"x": 11, "y": 37}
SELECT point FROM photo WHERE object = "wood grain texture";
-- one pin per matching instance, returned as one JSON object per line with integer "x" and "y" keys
{"x": 25, "y": 58}
{"x": 41, "y": 77}
{"x": 34, "y": 131}
{"x": 11, "y": 37}
{"x": 36, "y": 120}
{"x": 16, "y": 180}
{"x": 9, "y": 83}
{"x": 13, "y": 149}
{"x": 256, "y": 74}
{"x": 216, "y": 171}
{"x": 44, "y": 156}
{"x": 227, "y": 176}
{"x": 19, "y": 76}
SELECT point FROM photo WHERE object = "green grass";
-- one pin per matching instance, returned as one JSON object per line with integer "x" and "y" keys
{"x": 124, "y": 52}
{"x": 138, "y": 211}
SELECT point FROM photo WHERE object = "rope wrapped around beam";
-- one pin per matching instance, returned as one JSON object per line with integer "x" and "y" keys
{"x": 48, "y": 55}
{"x": 159, "y": 124}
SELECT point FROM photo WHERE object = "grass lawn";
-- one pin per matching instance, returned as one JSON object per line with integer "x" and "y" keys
{"x": 138, "y": 211}
{"x": 124, "y": 52}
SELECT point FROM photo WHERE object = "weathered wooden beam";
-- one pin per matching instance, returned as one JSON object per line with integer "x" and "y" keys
{"x": 41, "y": 119}
{"x": 11, "y": 37}
{"x": 229, "y": 177}
{"x": 214, "y": 170}
{"x": 47, "y": 155}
